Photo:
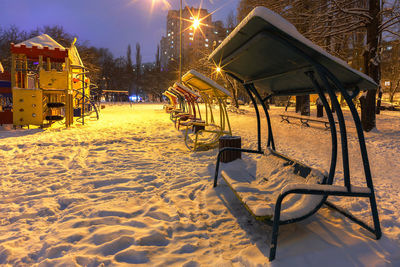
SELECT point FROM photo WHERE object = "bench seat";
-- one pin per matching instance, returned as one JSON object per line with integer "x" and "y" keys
{"x": 259, "y": 189}
{"x": 304, "y": 119}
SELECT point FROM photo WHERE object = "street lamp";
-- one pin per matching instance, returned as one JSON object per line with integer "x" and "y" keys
{"x": 180, "y": 42}
{"x": 196, "y": 23}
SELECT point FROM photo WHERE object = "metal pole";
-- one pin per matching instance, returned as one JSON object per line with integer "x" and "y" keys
{"x": 180, "y": 42}
{"x": 83, "y": 97}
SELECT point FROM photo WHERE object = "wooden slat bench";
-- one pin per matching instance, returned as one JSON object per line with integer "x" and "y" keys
{"x": 304, "y": 120}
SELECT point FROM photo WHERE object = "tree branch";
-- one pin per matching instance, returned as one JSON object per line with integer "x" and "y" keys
{"x": 360, "y": 13}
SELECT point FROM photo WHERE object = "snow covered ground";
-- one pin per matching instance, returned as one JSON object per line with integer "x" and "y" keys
{"x": 125, "y": 190}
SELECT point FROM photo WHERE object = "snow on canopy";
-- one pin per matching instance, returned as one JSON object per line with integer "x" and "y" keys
{"x": 41, "y": 41}
{"x": 275, "y": 20}
{"x": 203, "y": 83}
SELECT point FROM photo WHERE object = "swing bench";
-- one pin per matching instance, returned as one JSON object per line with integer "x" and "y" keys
{"x": 182, "y": 109}
{"x": 173, "y": 101}
{"x": 268, "y": 55}
{"x": 209, "y": 131}
{"x": 191, "y": 101}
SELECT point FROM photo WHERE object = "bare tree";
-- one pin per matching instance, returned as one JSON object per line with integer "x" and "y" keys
{"x": 138, "y": 70}
{"x": 129, "y": 69}
{"x": 341, "y": 27}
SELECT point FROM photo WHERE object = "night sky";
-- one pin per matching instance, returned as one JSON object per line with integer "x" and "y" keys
{"x": 105, "y": 23}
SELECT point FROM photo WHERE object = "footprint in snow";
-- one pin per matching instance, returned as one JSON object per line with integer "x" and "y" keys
{"x": 57, "y": 251}
{"x": 154, "y": 239}
{"x": 187, "y": 248}
{"x": 132, "y": 256}
{"x": 116, "y": 245}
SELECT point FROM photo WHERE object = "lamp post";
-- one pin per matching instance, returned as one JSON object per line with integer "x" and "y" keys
{"x": 195, "y": 23}
{"x": 180, "y": 42}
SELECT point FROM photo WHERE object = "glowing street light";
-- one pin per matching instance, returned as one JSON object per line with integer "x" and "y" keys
{"x": 196, "y": 23}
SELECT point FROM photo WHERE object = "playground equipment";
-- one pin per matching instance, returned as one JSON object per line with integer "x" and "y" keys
{"x": 213, "y": 129}
{"x": 194, "y": 114}
{"x": 6, "y": 115}
{"x": 48, "y": 83}
{"x": 173, "y": 101}
{"x": 183, "y": 108}
{"x": 267, "y": 54}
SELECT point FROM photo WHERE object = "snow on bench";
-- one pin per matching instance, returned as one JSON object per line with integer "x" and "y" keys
{"x": 259, "y": 192}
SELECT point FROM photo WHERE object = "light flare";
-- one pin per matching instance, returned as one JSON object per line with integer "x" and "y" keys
{"x": 166, "y": 5}
{"x": 196, "y": 23}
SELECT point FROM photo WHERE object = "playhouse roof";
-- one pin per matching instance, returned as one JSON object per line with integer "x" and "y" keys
{"x": 41, "y": 41}
{"x": 42, "y": 45}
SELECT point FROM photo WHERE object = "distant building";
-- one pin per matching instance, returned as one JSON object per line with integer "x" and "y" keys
{"x": 194, "y": 41}
{"x": 390, "y": 65}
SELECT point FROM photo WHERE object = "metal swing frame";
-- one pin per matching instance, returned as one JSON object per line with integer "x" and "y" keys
{"x": 329, "y": 83}
{"x": 218, "y": 130}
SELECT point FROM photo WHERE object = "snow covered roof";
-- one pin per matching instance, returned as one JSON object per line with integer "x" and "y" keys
{"x": 186, "y": 89}
{"x": 42, "y": 45}
{"x": 204, "y": 84}
{"x": 269, "y": 51}
{"x": 41, "y": 41}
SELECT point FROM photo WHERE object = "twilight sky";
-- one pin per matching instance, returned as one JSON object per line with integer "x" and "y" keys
{"x": 105, "y": 23}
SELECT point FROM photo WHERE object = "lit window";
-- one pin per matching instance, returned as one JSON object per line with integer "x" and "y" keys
{"x": 206, "y": 40}
{"x": 389, "y": 48}
{"x": 172, "y": 42}
{"x": 216, "y": 32}
{"x": 206, "y": 45}
{"x": 172, "y": 46}
{"x": 172, "y": 32}
{"x": 191, "y": 18}
{"x": 219, "y": 41}
{"x": 387, "y": 83}
{"x": 191, "y": 38}
{"x": 190, "y": 33}
{"x": 169, "y": 34}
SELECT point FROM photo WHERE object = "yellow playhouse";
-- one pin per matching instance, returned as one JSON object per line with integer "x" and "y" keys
{"x": 48, "y": 83}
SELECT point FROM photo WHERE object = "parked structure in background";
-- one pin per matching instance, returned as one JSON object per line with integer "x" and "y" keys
{"x": 194, "y": 40}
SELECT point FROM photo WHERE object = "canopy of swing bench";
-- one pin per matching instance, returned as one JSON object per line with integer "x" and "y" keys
{"x": 204, "y": 84}
{"x": 186, "y": 89}
{"x": 268, "y": 51}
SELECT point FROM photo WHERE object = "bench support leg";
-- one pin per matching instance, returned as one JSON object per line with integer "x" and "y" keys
{"x": 304, "y": 122}
{"x": 275, "y": 229}
{"x": 285, "y": 119}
